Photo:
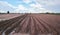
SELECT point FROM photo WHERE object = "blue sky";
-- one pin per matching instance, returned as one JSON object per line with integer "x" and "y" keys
{"x": 30, "y": 6}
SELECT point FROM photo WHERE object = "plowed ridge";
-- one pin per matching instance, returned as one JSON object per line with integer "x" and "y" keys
{"x": 31, "y": 24}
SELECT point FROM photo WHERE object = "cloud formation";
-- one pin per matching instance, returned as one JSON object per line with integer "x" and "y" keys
{"x": 5, "y": 6}
{"x": 30, "y": 6}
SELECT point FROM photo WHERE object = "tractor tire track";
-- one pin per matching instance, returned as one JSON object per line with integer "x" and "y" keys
{"x": 13, "y": 26}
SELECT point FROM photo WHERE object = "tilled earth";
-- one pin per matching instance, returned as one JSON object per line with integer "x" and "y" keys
{"x": 31, "y": 24}
{"x": 4, "y": 17}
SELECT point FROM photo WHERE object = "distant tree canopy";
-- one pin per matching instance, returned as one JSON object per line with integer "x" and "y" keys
{"x": 47, "y": 12}
{"x": 8, "y": 12}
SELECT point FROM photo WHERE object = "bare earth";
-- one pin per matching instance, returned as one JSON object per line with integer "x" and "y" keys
{"x": 31, "y": 24}
{"x": 8, "y": 16}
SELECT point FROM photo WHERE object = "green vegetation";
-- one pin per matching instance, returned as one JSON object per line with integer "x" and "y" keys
{"x": 8, "y": 12}
{"x": 53, "y": 13}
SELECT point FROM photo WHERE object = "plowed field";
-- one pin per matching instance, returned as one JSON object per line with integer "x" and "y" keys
{"x": 31, "y": 24}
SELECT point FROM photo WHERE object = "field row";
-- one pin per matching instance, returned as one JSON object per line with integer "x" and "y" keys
{"x": 31, "y": 24}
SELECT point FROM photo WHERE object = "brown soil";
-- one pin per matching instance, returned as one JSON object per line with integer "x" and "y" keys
{"x": 31, "y": 24}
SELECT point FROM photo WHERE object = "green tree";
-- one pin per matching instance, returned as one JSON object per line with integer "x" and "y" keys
{"x": 47, "y": 12}
{"x": 8, "y": 12}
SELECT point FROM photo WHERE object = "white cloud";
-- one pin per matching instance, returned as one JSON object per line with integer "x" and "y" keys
{"x": 1, "y": 11}
{"x": 38, "y": 8}
{"x": 27, "y": 1}
{"x": 34, "y": 8}
{"x": 4, "y": 3}
{"x": 49, "y": 2}
{"x": 20, "y": 8}
{"x": 36, "y": 5}
{"x": 5, "y": 6}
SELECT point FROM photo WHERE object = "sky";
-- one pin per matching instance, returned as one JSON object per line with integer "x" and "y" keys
{"x": 30, "y": 6}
